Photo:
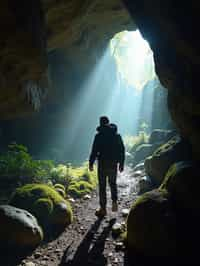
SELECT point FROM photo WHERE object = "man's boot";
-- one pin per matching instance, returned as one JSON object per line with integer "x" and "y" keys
{"x": 101, "y": 212}
{"x": 114, "y": 206}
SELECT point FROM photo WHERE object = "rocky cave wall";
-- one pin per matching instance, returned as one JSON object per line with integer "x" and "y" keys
{"x": 171, "y": 28}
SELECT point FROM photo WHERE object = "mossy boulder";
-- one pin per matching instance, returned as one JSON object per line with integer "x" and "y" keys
{"x": 43, "y": 201}
{"x": 161, "y": 136}
{"x": 79, "y": 188}
{"x": 143, "y": 151}
{"x": 19, "y": 228}
{"x": 183, "y": 183}
{"x": 151, "y": 225}
{"x": 175, "y": 150}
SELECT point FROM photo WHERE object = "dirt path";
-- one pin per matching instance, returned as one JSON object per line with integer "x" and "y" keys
{"x": 88, "y": 241}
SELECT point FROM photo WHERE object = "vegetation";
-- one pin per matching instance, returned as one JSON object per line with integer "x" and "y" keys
{"x": 132, "y": 142}
{"x": 18, "y": 165}
{"x": 18, "y": 168}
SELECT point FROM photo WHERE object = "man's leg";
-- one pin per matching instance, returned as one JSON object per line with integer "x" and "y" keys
{"x": 112, "y": 178}
{"x": 102, "y": 187}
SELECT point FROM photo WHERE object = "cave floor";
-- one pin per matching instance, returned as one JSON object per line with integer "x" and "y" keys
{"x": 88, "y": 240}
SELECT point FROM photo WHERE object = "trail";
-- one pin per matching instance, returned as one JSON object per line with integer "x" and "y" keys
{"x": 88, "y": 240}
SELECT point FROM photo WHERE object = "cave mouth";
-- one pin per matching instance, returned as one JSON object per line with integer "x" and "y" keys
{"x": 134, "y": 58}
{"x": 111, "y": 89}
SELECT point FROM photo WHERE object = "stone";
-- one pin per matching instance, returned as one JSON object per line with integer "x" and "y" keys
{"x": 29, "y": 263}
{"x": 125, "y": 212}
{"x": 157, "y": 165}
{"x": 116, "y": 229}
{"x": 182, "y": 182}
{"x": 145, "y": 185}
{"x": 143, "y": 151}
{"x": 151, "y": 225}
{"x": 119, "y": 246}
{"x": 160, "y": 136}
{"x": 19, "y": 228}
{"x": 87, "y": 197}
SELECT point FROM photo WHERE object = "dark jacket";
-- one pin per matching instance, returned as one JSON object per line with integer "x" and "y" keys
{"x": 107, "y": 146}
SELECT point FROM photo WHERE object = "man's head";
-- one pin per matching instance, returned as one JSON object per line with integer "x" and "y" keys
{"x": 103, "y": 120}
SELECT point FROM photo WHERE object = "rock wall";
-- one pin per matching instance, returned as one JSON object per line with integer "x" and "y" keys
{"x": 171, "y": 28}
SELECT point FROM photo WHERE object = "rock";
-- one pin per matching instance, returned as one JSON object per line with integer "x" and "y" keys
{"x": 87, "y": 197}
{"x": 182, "y": 182}
{"x": 139, "y": 167}
{"x": 19, "y": 228}
{"x": 29, "y": 263}
{"x": 160, "y": 136}
{"x": 119, "y": 246}
{"x": 125, "y": 212}
{"x": 151, "y": 225}
{"x": 144, "y": 185}
{"x": 71, "y": 200}
{"x": 143, "y": 151}
{"x": 116, "y": 229}
{"x": 173, "y": 151}
{"x": 45, "y": 203}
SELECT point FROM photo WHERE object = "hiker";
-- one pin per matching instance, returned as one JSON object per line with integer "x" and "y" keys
{"x": 108, "y": 149}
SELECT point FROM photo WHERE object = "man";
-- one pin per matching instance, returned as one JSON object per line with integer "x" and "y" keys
{"x": 108, "y": 149}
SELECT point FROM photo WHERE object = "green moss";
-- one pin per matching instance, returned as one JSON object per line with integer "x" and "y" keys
{"x": 60, "y": 186}
{"x": 61, "y": 192}
{"x": 79, "y": 188}
{"x": 151, "y": 225}
{"x": 42, "y": 201}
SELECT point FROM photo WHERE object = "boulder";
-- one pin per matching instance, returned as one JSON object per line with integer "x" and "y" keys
{"x": 175, "y": 150}
{"x": 161, "y": 136}
{"x": 19, "y": 228}
{"x": 50, "y": 208}
{"x": 151, "y": 227}
{"x": 182, "y": 182}
{"x": 143, "y": 151}
{"x": 144, "y": 185}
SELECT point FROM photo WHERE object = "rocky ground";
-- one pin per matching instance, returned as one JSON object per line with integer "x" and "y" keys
{"x": 88, "y": 240}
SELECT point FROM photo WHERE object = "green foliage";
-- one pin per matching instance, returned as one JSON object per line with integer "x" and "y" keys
{"x": 82, "y": 182}
{"x": 80, "y": 188}
{"x": 42, "y": 201}
{"x": 132, "y": 142}
{"x": 18, "y": 163}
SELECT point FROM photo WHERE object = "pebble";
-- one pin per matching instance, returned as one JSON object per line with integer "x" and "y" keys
{"x": 29, "y": 263}
{"x": 125, "y": 212}
{"x": 110, "y": 254}
{"x": 71, "y": 200}
{"x": 86, "y": 197}
{"x": 119, "y": 246}
{"x": 37, "y": 255}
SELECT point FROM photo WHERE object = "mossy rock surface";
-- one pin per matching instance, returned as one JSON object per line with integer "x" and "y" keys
{"x": 19, "y": 228}
{"x": 151, "y": 225}
{"x": 43, "y": 202}
{"x": 59, "y": 186}
{"x": 183, "y": 183}
{"x": 173, "y": 151}
{"x": 80, "y": 188}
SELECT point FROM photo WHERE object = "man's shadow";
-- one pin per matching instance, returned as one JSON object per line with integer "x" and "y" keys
{"x": 89, "y": 251}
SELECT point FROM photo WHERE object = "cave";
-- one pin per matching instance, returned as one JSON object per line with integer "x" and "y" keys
{"x": 61, "y": 70}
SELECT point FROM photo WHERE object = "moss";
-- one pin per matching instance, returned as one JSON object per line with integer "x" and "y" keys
{"x": 42, "y": 201}
{"x": 61, "y": 192}
{"x": 79, "y": 188}
{"x": 60, "y": 186}
{"x": 151, "y": 225}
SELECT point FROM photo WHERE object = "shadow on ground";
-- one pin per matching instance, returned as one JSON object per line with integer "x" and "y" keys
{"x": 90, "y": 249}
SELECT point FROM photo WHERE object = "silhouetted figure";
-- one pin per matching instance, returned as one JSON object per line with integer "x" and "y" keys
{"x": 108, "y": 149}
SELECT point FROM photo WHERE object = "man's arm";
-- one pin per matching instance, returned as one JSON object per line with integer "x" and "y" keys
{"x": 121, "y": 154}
{"x": 94, "y": 152}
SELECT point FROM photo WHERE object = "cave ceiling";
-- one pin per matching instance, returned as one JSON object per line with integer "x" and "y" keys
{"x": 32, "y": 29}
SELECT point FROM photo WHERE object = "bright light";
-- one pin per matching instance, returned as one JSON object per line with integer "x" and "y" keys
{"x": 134, "y": 58}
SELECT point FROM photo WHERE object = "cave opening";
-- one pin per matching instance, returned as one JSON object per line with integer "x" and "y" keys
{"x": 122, "y": 85}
